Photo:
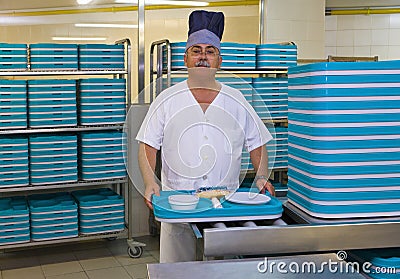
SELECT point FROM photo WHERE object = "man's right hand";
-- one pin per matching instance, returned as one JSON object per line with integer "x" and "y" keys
{"x": 151, "y": 189}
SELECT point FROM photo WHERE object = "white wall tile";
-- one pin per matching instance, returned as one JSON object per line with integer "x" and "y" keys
{"x": 380, "y": 37}
{"x": 362, "y": 37}
{"x": 344, "y": 51}
{"x": 362, "y": 22}
{"x": 394, "y": 37}
{"x": 394, "y": 52}
{"x": 380, "y": 21}
{"x": 362, "y": 51}
{"x": 395, "y": 21}
{"x": 346, "y": 22}
{"x": 330, "y": 23}
{"x": 278, "y": 30}
{"x": 315, "y": 30}
{"x": 330, "y": 38}
{"x": 311, "y": 50}
{"x": 299, "y": 30}
{"x": 380, "y": 51}
{"x": 330, "y": 51}
{"x": 345, "y": 38}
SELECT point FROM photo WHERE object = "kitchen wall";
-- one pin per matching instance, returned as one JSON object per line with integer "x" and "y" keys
{"x": 303, "y": 23}
{"x": 363, "y": 35}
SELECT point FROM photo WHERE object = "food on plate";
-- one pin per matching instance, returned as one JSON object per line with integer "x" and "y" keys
{"x": 209, "y": 194}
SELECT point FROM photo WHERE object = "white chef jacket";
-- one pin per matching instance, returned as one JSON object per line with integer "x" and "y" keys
{"x": 201, "y": 149}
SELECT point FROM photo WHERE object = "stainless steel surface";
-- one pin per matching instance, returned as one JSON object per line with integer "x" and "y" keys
{"x": 299, "y": 238}
{"x": 119, "y": 184}
{"x": 78, "y": 184}
{"x": 56, "y": 130}
{"x": 121, "y": 234}
{"x": 58, "y": 73}
{"x": 140, "y": 45}
{"x": 262, "y": 16}
{"x": 157, "y": 46}
{"x": 310, "y": 266}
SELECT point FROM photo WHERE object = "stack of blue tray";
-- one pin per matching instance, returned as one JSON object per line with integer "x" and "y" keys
{"x": 280, "y": 145}
{"x": 53, "y": 159}
{"x": 242, "y": 84}
{"x": 270, "y": 97}
{"x": 14, "y": 220}
{"x": 53, "y": 216}
{"x": 13, "y": 114}
{"x": 276, "y": 56}
{"x": 379, "y": 263}
{"x": 101, "y": 57}
{"x": 177, "y": 52}
{"x": 238, "y": 56}
{"x": 246, "y": 162}
{"x": 100, "y": 211}
{"x": 102, "y": 101}
{"x": 13, "y": 57}
{"x": 52, "y": 103}
{"x": 102, "y": 155}
{"x": 45, "y": 56}
{"x": 344, "y": 139}
{"x": 14, "y": 164}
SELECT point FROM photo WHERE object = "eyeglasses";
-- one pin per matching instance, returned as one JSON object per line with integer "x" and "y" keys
{"x": 210, "y": 52}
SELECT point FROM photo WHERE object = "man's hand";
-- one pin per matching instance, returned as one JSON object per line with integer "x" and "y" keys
{"x": 151, "y": 189}
{"x": 263, "y": 184}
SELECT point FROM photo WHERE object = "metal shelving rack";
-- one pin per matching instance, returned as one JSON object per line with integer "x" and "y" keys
{"x": 135, "y": 249}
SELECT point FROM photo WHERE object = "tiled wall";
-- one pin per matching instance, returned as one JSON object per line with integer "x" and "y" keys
{"x": 305, "y": 28}
{"x": 363, "y": 35}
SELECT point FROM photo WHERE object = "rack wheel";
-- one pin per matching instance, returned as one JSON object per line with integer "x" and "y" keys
{"x": 111, "y": 238}
{"x": 135, "y": 252}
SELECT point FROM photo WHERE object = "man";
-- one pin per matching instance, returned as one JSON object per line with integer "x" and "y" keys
{"x": 202, "y": 126}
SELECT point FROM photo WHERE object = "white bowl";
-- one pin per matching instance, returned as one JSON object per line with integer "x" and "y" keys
{"x": 183, "y": 202}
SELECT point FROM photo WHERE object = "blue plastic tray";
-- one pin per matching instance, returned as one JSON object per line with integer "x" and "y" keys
{"x": 205, "y": 211}
{"x": 102, "y": 175}
{"x": 348, "y": 103}
{"x": 230, "y": 64}
{"x": 344, "y": 196}
{"x": 345, "y": 117}
{"x": 344, "y": 143}
{"x": 54, "y": 227}
{"x": 101, "y": 215}
{"x": 13, "y": 210}
{"x": 54, "y": 66}
{"x": 103, "y": 222}
{"x": 53, "y": 179}
{"x": 14, "y": 231}
{"x": 51, "y": 203}
{"x": 338, "y": 211}
{"x": 350, "y": 181}
{"x": 387, "y": 129}
{"x": 97, "y": 197}
{"x": 102, "y": 84}
{"x": 352, "y": 155}
{"x": 101, "y": 229}
{"x": 275, "y": 64}
{"x": 21, "y": 238}
{"x": 384, "y": 259}
{"x": 272, "y": 57}
{"x": 55, "y": 235}
{"x": 101, "y": 66}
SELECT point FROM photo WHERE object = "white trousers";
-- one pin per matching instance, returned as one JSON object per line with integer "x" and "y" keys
{"x": 177, "y": 243}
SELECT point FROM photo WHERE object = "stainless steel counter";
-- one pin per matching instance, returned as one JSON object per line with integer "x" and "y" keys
{"x": 305, "y": 266}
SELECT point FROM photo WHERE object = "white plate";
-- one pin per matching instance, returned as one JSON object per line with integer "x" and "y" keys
{"x": 248, "y": 198}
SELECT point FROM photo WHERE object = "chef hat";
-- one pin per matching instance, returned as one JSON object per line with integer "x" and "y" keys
{"x": 205, "y": 28}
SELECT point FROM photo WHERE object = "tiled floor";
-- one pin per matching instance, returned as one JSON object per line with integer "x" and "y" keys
{"x": 100, "y": 259}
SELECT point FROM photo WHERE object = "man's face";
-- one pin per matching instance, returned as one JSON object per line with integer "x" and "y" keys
{"x": 202, "y": 55}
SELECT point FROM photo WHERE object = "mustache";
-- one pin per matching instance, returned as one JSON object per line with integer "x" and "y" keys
{"x": 202, "y": 63}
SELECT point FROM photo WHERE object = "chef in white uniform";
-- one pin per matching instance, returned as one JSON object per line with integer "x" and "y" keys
{"x": 202, "y": 127}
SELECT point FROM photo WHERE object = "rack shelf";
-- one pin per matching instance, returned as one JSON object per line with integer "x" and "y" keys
{"x": 123, "y": 185}
{"x": 64, "y": 185}
{"x": 59, "y": 73}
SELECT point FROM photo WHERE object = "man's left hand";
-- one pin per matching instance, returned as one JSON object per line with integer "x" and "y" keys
{"x": 264, "y": 185}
